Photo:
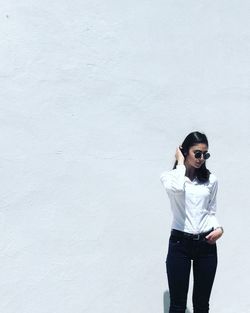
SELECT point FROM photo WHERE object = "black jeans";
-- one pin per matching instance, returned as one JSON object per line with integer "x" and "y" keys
{"x": 181, "y": 253}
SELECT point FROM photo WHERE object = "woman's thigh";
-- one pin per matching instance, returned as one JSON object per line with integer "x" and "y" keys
{"x": 178, "y": 265}
{"x": 204, "y": 269}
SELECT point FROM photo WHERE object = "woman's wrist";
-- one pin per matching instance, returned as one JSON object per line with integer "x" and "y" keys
{"x": 180, "y": 162}
{"x": 221, "y": 228}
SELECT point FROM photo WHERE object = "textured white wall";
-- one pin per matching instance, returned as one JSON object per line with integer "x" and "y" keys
{"x": 95, "y": 97}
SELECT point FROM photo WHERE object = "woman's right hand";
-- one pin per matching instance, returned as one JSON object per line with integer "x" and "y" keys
{"x": 179, "y": 156}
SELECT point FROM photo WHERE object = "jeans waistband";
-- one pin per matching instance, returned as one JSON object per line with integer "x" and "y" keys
{"x": 182, "y": 234}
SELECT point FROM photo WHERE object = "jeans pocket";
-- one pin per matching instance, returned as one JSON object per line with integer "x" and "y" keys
{"x": 208, "y": 243}
{"x": 210, "y": 248}
{"x": 175, "y": 240}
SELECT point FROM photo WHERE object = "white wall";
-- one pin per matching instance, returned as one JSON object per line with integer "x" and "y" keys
{"x": 95, "y": 97}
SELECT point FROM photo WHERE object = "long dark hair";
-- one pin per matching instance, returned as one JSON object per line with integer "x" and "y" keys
{"x": 192, "y": 139}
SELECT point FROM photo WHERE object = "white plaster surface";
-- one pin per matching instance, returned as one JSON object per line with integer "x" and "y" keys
{"x": 95, "y": 97}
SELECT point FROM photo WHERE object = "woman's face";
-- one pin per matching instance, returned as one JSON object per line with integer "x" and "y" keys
{"x": 191, "y": 160}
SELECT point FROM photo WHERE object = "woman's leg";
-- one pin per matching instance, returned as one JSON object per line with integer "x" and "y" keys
{"x": 178, "y": 266}
{"x": 204, "y": 269}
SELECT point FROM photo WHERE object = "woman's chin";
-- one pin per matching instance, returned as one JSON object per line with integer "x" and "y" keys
{"x": 197, "y": 165}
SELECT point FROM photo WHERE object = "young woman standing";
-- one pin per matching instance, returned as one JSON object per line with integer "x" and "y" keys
{"x": 195, "y": 229}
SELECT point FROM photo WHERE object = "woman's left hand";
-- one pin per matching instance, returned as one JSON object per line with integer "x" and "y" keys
{"x": 214, "y": 235}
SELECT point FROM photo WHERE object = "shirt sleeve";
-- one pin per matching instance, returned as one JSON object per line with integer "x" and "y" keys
{"x": 212, "y": 205}
{"x": 173, "y": 181}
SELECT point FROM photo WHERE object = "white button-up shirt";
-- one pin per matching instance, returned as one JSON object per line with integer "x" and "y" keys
{"x": 193, "y": 203}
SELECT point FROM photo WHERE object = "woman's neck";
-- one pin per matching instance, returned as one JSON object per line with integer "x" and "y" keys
{"x": 190, "y": 171}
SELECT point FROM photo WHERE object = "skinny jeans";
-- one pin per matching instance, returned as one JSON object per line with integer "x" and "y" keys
{"x": 182, "y": 253}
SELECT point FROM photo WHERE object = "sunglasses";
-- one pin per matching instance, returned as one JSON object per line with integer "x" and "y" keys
{"x": 198, "y": 154}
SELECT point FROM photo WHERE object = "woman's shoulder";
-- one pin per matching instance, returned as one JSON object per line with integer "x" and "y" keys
{"x": 213, "y": 178}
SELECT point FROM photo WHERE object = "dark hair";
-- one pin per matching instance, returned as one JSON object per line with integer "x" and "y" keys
{"x": 191, "y": 140}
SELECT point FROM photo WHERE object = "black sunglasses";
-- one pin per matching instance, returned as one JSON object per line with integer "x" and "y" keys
{"x": 198, "y": 154}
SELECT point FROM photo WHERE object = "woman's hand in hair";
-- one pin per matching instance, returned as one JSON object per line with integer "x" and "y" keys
{"x": 179, "y": 156}
{"x": 214, "y": 235}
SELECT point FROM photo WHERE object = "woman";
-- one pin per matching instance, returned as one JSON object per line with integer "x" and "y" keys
{"x": 192, "y": 192}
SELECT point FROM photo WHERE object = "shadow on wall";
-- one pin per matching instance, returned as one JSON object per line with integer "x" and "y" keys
{"x": 166, "y": 302}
